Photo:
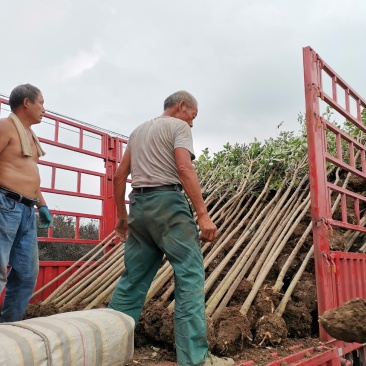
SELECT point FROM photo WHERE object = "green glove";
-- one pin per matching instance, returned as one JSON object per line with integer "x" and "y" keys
{"x": 45, "y": 217}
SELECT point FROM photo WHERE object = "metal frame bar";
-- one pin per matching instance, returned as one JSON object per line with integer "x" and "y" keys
{"x": 336, "y": 272}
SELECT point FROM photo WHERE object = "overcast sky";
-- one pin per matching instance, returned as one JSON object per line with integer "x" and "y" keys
{"x": 111, "y": 63}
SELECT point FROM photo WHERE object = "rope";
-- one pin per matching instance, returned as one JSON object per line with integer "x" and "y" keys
{"x": 44, "y": 338}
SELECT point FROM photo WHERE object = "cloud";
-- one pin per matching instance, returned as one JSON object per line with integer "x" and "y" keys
{"x": 113, "y": 63}
{"x": 36, "y": 16}
{"x": 75, "y": 66}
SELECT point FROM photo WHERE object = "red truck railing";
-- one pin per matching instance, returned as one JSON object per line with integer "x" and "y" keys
{"x": 340, "y": 275}
{"x": 76, "y": 180}
{"x": 103, "y": 148}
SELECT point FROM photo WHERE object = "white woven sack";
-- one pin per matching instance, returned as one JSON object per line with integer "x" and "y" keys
{"x": 98, "y": 337}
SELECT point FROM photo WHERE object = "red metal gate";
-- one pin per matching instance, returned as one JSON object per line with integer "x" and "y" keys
{"x": 76, "y": 177}
{"x": 340, "y": 275}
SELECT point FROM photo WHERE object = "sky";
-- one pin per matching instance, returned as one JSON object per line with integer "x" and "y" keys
{"x": 112, "y": 63}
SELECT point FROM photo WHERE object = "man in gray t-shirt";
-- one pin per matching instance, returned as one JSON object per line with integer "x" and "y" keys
{"x": 154, "y": 142}
{"x": 159, "y": 158}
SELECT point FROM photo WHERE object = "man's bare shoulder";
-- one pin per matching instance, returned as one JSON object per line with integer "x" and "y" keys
{"x": 7, "y": 130}
{"x": 6, "y": 123}
{"x": 7, "y": 126}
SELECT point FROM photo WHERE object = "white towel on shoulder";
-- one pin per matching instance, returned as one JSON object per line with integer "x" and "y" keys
{"x": 24, "y": 141}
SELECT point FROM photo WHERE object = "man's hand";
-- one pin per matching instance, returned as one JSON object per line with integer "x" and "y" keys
{"x": 122, "y": 229}
{"x": 45, "y": 217}
{"x": 188, "y": 178}
{"x": 208, "y": 229}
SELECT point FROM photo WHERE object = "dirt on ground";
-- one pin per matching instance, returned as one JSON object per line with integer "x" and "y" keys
{"x": 157, "y": 355}
{"x": 259, "y": 335}
{"x": 230, "y": 335}
{"x": 347, "y": 322}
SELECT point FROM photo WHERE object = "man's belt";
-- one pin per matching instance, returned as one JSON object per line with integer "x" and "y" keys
{"x": 18, "y": 197}
{"x": 171, "y": 187}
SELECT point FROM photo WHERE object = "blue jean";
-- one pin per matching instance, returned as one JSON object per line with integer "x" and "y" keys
{"x": 160, "y": 223}
{"x": 19, "y": 249}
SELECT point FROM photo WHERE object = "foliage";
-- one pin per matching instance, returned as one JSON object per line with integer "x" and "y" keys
{"x": 255, "y": 161}
{"x": 64, "y": 227}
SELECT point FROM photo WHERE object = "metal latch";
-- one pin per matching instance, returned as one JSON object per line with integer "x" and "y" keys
{"x": 328, "y": 227}
{"x": 329, "y": 261}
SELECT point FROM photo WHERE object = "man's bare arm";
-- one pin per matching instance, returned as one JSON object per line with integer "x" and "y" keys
{"x": 119, "y": 185}
{"x": 42, "y": 201}
{"x": 4, "y": 135}
{"x": 191, "y": 185}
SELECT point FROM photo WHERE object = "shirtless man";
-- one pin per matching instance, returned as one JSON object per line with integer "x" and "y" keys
{"x": 19, "y": 193}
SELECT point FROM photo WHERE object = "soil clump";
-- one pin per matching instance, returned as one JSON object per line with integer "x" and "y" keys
{"x": 346, "y": 322}
{"x": 232, "y": 331}
{"x": 298, "y": 320}
{"x": 38, "y": 310}
{"x": 270, "y": 330}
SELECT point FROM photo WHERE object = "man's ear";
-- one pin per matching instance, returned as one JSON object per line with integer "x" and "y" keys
{"x": 181, "y": 104}
{"x": 26, "y": 102}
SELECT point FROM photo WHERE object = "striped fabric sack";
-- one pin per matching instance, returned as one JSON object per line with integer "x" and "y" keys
{"x": 98, "y": 337}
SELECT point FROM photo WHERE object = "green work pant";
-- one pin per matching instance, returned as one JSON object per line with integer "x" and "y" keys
{"x": 160, "y": 223}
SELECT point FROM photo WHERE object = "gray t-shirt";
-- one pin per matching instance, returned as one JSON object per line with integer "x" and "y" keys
{"x": 152, "y": 147}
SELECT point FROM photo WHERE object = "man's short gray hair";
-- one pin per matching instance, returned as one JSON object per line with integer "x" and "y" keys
{"x": 179, "y": 96}
{"x": 20, "y": 92}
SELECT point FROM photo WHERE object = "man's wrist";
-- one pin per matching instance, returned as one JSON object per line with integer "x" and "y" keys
{"x": 202, "y": 214}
